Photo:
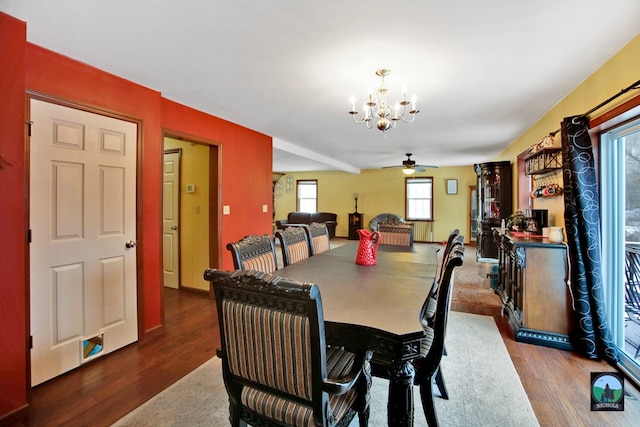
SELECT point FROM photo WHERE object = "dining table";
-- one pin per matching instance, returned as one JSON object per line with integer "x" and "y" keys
{"x": 377, "y": 306}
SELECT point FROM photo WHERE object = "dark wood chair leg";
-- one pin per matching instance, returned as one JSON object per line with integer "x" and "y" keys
{"x": 426, "y": 395}
{"x": 363, "y": 418}
{"x": 439, "y": 379}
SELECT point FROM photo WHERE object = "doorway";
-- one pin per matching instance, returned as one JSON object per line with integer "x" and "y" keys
{"x": 190, "y": 212}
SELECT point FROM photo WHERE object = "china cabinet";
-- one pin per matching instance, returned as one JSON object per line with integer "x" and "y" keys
{"x": 494, "y": 190}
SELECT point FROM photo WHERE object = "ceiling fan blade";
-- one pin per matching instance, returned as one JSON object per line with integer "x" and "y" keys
{"x": 391, "y": 167}
{"x": 426, "y": 166}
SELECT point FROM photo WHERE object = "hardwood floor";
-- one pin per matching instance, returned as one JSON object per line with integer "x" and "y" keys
{"x": 99, "y": 393}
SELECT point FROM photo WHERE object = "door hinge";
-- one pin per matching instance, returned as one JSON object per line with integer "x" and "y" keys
{"x": 29, "y": 236}
{"x": 29, "y": 123}
{"x": 30, "y": 342}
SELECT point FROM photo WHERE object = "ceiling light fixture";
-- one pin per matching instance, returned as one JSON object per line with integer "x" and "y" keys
{"x": 377, "y": 108}
{"x": 408, "y": 170}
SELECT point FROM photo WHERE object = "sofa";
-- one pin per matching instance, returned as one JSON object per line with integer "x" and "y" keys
{"x": 298, "y": 218}
{"x": 393, "y": 229}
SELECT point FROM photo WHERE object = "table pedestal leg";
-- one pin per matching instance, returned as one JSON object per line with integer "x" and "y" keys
{"x": 400, "y": 406}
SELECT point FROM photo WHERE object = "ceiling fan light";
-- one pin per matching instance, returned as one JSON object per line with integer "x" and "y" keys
{"x": 408, "y": 171}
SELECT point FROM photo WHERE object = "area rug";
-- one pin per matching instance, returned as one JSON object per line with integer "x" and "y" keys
{"x": 484, "y": 388}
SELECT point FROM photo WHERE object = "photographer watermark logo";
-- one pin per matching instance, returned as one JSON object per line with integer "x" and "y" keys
{"x": 607, "y": 391}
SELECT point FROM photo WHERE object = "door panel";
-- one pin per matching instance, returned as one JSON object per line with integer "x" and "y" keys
{"x": 82, "y": 213}
{"x": 171, "y": 220}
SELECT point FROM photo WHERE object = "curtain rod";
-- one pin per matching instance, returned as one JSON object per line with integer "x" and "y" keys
{"x": 635, "y": 85}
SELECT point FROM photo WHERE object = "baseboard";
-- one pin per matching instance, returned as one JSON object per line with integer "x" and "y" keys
{"x": 17, "y": 417}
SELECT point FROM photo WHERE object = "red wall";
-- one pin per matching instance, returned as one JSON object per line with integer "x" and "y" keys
{"x": 245, "y": 183}
{"x": 13, "y": 308}
{"x": 246, "y": 171}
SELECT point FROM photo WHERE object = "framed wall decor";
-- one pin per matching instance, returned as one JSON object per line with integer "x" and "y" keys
{"x": 452, "y": 186}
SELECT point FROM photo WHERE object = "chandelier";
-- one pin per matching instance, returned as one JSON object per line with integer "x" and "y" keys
{"x": 377, "y": 108}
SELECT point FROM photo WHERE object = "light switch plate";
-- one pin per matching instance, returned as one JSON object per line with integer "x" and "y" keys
{"x": 265, "y": 208}
{"x": 226, "y": 210}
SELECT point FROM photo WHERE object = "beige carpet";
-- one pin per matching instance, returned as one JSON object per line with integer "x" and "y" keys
{"x": 484, "y": 388}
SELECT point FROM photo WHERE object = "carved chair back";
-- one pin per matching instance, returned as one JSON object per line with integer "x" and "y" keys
{"x": 254, "y": 253}
{"x": 294, "y": 243}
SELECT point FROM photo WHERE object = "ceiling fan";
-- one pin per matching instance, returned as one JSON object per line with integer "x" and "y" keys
{"x": 409, "y": 166}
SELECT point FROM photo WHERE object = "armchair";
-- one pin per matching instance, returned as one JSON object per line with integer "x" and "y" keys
{"x": 277, "y": 366}
{"x": 393, "y": 229}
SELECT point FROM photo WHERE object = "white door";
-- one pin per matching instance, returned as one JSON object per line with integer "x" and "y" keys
{"x": 170, "y": 220}
{"x": 83, "y": 225}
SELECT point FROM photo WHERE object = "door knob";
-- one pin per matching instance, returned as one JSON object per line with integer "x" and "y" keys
{"x": 130, "y": 244}
{"x": 174, "y": 227}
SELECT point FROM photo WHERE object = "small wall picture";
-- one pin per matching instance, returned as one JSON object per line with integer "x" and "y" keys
{"x": 452, "y": 186}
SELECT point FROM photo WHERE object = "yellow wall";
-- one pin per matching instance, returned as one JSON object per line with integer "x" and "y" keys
{"x": 616, "y": 74}
{"x": 383, "y": 191}
{"x": 194, "y": 227}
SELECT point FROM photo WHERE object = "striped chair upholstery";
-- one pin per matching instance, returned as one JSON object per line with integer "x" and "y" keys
{"x": 319, "y": 237}
{"x": 294, "y": 244}
{"x": 254, "y": 253}
{"x": 275, "y": 358}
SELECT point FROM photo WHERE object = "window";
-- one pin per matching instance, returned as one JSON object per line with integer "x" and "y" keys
{"x": 419, "y": 204}
{"x": 307, "y": 195}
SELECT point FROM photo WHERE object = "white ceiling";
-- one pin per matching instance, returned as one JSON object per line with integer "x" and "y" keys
{"x": 483, "y": 71}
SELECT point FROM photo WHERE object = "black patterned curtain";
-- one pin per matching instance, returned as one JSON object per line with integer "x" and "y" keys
{"x": 591, "y": 335}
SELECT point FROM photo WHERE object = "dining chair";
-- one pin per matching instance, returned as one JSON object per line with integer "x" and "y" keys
{"x": 453, "y": 235}
{"x": 430, "y": 304}
{"x": 318, "y": 237}
{"x": 277, "y": 365}
{"x": 435, "y": 325}
{"x": 294, "y": 243}
{"x": 254, "y": 252}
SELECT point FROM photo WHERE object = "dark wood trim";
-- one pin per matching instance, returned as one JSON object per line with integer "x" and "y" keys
{"x": 616, "y": 115}
{"x": 215, "y": 201}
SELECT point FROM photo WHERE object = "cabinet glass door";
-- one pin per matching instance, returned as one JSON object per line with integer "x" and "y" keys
{"x": 492, "y": 196}
{"x": 473, "y": 213}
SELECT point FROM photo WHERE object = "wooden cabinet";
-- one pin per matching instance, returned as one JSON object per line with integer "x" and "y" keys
{"x": 494, "y": 190}
{"x": 532, "y": 284}
{"x": 355, "y": 223}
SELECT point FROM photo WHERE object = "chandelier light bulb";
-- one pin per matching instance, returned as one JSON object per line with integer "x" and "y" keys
{"x": 377, "y": 108}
